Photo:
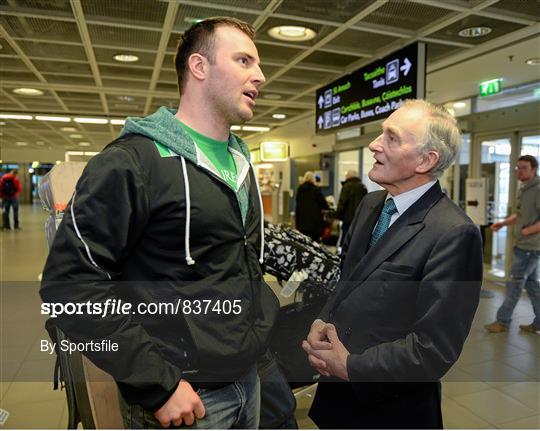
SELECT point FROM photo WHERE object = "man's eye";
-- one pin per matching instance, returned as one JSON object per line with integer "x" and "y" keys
{"x": 243, "y": 60}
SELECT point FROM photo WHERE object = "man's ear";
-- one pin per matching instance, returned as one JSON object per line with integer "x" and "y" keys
{"x": 197, "y": 65}
{"x": 427, "y": 162}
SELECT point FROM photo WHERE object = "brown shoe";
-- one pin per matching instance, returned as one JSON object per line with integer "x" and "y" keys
{"x": 496, "y": 327}
{"x": 529, "y": 328}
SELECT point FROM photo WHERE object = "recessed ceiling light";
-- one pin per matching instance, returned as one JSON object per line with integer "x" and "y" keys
{"x": 91, "y": 120}
{"x": 16, "y": 117}
{"x": 535, "y": 61}
{"x": 49, "y": 118}
{"x": 21, "y": 144}
{"x": 126, "y": 58}
{"x": 292, "y": 33}
{"x": 279, "y": 116}
{"x": 272, "y": 96}
{"x": 474, "y": 31}
{"x": 28, "y": 91}
{"x": 75, "y": 136}
{"x": 68, "y": 129}
{"x": 459, "y": 105}
{"x": 84, "y": 144}
{"x": 126, "y": 98}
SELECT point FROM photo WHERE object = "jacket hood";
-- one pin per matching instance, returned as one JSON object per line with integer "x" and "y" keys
{"x": 164, "y": 128}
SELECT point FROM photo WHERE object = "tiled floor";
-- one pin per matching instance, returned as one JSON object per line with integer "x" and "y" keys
{"x": 494, "y": 384}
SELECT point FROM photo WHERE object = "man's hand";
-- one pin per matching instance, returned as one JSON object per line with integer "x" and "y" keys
{"x": 495, "y": 227}
{"x": 334, "y": 359}
{"x": 317, "y": 339}
{"x": 183, "y": 406}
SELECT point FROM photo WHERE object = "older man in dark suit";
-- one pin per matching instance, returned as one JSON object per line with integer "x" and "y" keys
{"x": 409, "y": 287}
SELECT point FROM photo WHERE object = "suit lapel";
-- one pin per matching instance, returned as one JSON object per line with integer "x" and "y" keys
{"x": 403, "y": 230}
{"x": 359, "y": 246}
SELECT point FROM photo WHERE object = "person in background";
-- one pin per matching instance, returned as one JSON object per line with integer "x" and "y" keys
{"x": 352, "y": 192}
{"x": 310, "y": 203}
{"x": 525, "y": 271}
{"x": 409, "y": 286}
{"x": 10, "y": 189}
{"x": 170, "y": 212}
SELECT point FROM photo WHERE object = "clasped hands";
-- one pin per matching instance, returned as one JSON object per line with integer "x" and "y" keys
{"x": 326, "y": 353}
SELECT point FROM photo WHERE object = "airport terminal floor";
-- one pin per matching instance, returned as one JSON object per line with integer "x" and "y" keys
{"x": 494, "y": 384}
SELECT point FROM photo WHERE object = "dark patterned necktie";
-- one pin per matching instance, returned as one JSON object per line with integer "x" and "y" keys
{"x": 384, "y": 221}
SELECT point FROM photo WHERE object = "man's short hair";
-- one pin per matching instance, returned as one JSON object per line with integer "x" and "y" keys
{"x": 199, "y": 38}
{"x": 531, "y": 159}
{"x": 442, "y": 134}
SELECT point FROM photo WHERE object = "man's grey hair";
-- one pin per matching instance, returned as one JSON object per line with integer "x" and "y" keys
{"x": 309, "y": 177}
{"x": 442, "y": 134}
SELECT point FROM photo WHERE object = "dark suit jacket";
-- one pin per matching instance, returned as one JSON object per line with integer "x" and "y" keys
{"x": 403, "y": 310}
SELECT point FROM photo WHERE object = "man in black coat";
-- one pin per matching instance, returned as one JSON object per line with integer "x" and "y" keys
{"x": 352, "y": 192}
{"x": 409, "y": 287}
{"x": 310, "y": 203}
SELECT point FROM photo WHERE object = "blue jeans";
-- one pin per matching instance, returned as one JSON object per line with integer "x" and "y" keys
{"x": 234, "y": 406}
{"x": 525, "y": 273}
{"x": 6, "y": 205}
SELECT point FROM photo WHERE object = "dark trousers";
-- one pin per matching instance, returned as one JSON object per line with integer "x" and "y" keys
{"x": 6, "y": 205}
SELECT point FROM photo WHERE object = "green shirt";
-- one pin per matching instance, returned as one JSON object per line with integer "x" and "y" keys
{"x": 217, "y": 152}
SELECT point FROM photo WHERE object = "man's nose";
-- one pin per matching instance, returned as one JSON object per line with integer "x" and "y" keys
{"x": 375, "y": 145}
{"x": 258, "y": 76}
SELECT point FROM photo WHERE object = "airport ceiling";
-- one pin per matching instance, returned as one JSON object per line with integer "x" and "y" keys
{"x": 65, "y": 48}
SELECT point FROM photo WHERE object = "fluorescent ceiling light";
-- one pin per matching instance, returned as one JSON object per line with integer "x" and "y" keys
{"x": 126, "y": 98}
{"x": 68, "y": 129}
{"x": 35, "y": 164}
{"x": 117, "y": 121}
{"x": 459, "y": 105}
{"x": 233, "y": 128}
{"x": 126, "y": 58}
{"x": 76, "y": 136}
{"x": 2, "y": 123}
{"x": 91, "y": 120}
{"x": 16, "y": 117}
{"x": 21, "y": 144}
{"x": 28, "y": 91}
{"x": 75, "y": 153}
{"x": 91, "y": 153}
{"x": 535, "y": 61}
{"x": 294, "y": 33}
{"x": 84, "y": 144}
{"x": 40, "y": 143}
{"x": 49, "y": 118}
{"x": 474, "y": 32}
{"x": 279, "y": 116}
{"x": 255, "y": 128}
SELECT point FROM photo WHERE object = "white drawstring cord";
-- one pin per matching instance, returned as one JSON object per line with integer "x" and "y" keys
{"x": 189, "y": 259}
{"x": 261, "y": 258}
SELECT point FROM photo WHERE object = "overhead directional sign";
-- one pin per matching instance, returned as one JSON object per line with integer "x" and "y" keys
{"x": 372, "y": 92}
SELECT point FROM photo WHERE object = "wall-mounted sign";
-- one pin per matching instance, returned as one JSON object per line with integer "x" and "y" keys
{"x": 494, "y": 86}
{"x": 373, "y": 91}
{"x": 274, "y": 151}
